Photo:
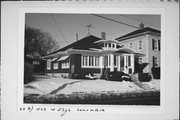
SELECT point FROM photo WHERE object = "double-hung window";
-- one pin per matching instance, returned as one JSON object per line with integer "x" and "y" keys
{"x": 55, "y": 65}
{"x": 48, "y": 65}
{"x": 140, "y": 45}
{"x": 140, "y": 60}
{"x": 65, "y": 63}
{"x": 155, "y": 45}
{"x": 115, "y": 60}
{"x": 89, "y": 61}
{"x": 155, "y": 61}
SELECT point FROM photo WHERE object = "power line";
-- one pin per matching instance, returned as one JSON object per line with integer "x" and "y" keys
{"x": 114, "y": 20}
{"x": 142, "y": 21}
{"x": 59, "y": 28}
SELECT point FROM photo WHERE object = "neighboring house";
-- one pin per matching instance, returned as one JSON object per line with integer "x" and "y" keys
{"x": 147, "y": 41}
{"x": 38, "y": 65}
{"x": 95, "y": 55}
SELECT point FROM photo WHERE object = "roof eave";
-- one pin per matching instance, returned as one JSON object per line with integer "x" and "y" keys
{"x": 137, "y": 35}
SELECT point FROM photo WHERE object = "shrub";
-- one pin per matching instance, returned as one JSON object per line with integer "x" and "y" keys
{"x": 144, "y": 77}
{"x": 156, "y": 72}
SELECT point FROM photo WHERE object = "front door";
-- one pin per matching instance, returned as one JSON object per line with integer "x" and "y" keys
{"x": 128, "y": 64}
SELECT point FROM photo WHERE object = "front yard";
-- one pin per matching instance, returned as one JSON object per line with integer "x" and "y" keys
{"x": 47, "y": 89}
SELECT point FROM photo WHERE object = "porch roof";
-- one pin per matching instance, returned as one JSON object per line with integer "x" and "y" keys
{"x": 129, "y": 51}
{"x": 94, "y": 52}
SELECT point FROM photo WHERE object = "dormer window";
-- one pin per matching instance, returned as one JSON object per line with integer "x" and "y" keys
{"x": 109, "y": 45}
{"x": 105, "y": 45}
{"x": 113, "y": 45}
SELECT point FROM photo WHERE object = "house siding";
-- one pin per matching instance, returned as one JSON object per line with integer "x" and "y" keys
{"x": 135, "y": 46}
{"x": 153, "y": 52}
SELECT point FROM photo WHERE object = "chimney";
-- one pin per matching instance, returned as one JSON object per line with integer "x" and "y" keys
{"x": 76, "y": 36}
{"x": 103, "y": 35}
{"x": 141, "y": 26}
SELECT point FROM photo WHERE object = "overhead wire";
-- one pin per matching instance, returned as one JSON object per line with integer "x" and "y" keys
{"x": 142, "y": 21}
{"x": 59, "y": 29}
{"x": 115, "y": 21}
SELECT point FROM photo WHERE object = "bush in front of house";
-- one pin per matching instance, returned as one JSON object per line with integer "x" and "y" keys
{"x": 156, "y": 72}
{"x": 144, "y": 77}
{"x": 28, "y": 72}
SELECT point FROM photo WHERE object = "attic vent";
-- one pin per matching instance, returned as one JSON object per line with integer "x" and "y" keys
{"x": 141, "y": 26}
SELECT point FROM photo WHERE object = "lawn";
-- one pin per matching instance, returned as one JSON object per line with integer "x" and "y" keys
{"x": 47, "y": 89}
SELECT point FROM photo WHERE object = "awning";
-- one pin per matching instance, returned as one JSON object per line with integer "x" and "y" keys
{"x": 63, "y": 58}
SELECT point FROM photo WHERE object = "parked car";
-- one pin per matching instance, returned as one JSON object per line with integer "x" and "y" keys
{"x": 86, "y": 75}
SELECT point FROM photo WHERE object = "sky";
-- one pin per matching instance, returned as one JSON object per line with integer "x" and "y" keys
{"x": 64, "y": 27}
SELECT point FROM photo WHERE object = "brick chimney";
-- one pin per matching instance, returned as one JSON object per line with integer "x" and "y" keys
{"x": 103, "y": 35}
{"x": 141, "y": 26}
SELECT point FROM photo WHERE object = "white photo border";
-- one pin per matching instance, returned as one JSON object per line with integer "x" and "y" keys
{"x": 12, "y": 61}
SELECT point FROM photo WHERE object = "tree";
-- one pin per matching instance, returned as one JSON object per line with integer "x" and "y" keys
{"x": 38, "y": 43}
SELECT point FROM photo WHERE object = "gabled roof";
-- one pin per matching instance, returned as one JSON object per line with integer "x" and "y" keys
{"x": 139, "y": 31}
{"x": 84, "y": 44}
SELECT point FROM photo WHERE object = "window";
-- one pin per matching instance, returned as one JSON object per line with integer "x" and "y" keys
{"x": 48, "y": 65}
{"x": 106, "y": 60}
{"x": 113, "y": 45}
{"x": 55, "y": 65}
{"x": 155, "y": 44}
{"x": 129, "y": 60}
{"x": 109, "y": 45}
{"x": 105, "y": 45}
{"x": 35, "y": 62}
{"x": 96, "y": 61}
{"x": 140, "y": 60}
{"x": 131, "y": 45}
{"x": 115, "y": 60}
{"x": 155, "y": 61}
{"x": 65, "y": 63}
{"x": 90, "y": 61}
{"x": 140, "y": 45}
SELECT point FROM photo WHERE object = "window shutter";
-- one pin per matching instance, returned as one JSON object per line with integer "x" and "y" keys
{"x": 153, "y": 61}
{"x": 152, "y": 44}
{"x": 159, "y": 45}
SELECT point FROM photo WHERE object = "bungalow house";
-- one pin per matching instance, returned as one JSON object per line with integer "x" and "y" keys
{"x": 95, "y": 55}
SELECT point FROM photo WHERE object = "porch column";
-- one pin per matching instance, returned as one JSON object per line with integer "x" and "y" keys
{"x": 112, "y": 62}
{"x": 119, "y": 63}
{"x": 132, "y": 62}
{"x": 101, "y": 63}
